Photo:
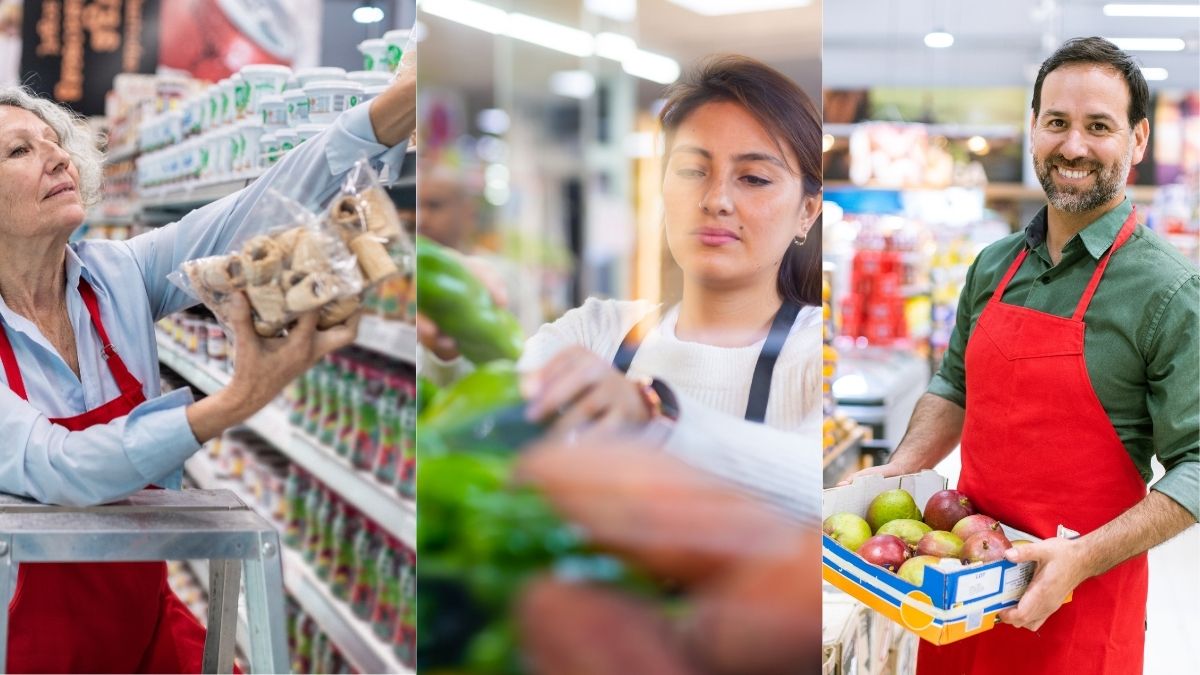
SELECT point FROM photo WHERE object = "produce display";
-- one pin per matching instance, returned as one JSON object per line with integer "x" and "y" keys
{"x": 903, "y": 539}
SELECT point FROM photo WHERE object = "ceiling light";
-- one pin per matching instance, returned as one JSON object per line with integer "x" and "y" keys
{"x": 573, "y": 83}
{"x": 1154, "y": 74}
{"x": 368, "y": 14}
{"x": 615, "y": 46}
{"x": 549, "y": 34}
{"x": 1148, "y": 44}
{"x": 939, "y": 39}
{"x": 724, "y": 7}
{"x": 978, "y": 145}
{"x": 469, "y": 13}
{"x": 651, "y": 66}
{"x": 617, "y": 10}
{"x": 1171, "y": 11}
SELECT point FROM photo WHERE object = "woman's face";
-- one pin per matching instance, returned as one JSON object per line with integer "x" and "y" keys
{"x": 38, "y": 181}
{"x": 734, "y": 200}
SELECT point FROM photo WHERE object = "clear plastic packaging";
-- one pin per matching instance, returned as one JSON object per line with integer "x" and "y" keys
{"x": 298, "y": 266}
{"x": 366, "y": 218}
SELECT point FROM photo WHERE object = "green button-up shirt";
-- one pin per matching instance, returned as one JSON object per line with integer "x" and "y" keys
{"x": 1141, "y": 343}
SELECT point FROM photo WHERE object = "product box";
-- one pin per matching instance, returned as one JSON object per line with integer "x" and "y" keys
{"x": 954, "y": 602}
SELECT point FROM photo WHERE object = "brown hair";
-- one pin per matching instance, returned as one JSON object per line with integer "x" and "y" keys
{"x": 784, "y": 110}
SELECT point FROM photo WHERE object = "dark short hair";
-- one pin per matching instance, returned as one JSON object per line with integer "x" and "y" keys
{"x": 1099, "y": 51}
{"x": 785, "y": 111}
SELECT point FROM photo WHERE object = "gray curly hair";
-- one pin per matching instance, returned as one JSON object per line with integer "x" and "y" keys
{"x": 73, "y": 133}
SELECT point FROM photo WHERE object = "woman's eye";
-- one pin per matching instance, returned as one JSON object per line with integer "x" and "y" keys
{"x": 689, "y": 173}
{"x": 756, "y": 180}
{"x": 18, "y": 151}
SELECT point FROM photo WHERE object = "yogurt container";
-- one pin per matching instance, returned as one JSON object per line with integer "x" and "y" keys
{"x": 396, "y": 41}
{"x": 306, "y": 75}
{"x": 375, "y": 55}
{"x": 263, "y": 80}
{"x": 297, "y": 107}
{"x": 329, "y": 98}
{"x": 373, "y": 91}
{"x": 241, "y": 95}
{"x": 268, "y": 150}
{"x": 227, "y": 105}
{"x": 287, "y": 139}
{"x": 212, "y": 108}
{"x": 369, "y": 78}
{"x": 307, "y": 131}
{"x": 273, "y": 112}
{"x": 251, "y": 137}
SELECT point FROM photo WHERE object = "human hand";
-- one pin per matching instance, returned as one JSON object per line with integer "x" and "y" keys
{"x": 430, "y": 336}
{"x": 1061, "y": 566}
{"x": 584, "y": 391}
{"x": 264, "y": 366}
{"x": 888, "y": 470}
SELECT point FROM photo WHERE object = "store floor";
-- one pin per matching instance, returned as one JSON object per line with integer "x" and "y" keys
{"x": 1174, "y": 600}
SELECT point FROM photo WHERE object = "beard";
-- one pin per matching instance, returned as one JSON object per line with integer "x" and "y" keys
{"x": 1107, "y": 184}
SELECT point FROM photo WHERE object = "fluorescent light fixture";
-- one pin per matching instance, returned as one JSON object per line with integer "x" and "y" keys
{"x": 573, "y": 83}
{"x": 1169, "y": 11}
{"x": 549, "y": 34}
{"x": 615, "y": 46}
{"x": 1148, "y": 44}
{"x": 938, "y": 39}
{"x": 368, "y": 14}
{"x": 651, "y": 66}
{"x": 469, "y": 13}
{"x": 617, "y": 10}
{"x": 492, "y": 121}
{"x": 724, "y": 7}
{"x": 1154, "y": 74}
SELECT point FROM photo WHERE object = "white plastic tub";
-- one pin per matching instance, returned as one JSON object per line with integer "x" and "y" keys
{"x": 329, "y": 98}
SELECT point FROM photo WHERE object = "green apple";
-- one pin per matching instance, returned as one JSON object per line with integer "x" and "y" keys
{"x": 891, "y": 505}
{"x": 847, "y": 529}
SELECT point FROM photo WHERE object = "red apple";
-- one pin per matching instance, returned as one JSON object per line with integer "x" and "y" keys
{"x": 978, "y": 522}
{"x": 886, "y": 550}
{"x": 946, "y": 508}
{"x": 985, "y": 546}
{"x": 910, "y": 531}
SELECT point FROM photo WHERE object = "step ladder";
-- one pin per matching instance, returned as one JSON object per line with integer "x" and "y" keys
{"x": 164, "y": 525}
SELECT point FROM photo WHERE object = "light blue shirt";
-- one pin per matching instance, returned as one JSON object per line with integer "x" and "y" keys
{"x": 47, "y": 462}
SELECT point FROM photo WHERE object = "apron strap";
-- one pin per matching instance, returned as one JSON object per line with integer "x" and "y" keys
{"x": 764, "y": 369}
{"x": 1122, "y": 237}
{"x": 11, "y": 370}
{"x": 131, "y": 388}
{"x": 1012, "y": 269}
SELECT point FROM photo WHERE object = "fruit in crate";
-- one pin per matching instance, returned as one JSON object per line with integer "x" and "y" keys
{"x": 910, "y": 531}
{"x": 945, "y": 508}
{"x": 886, "y": 550}
{"x": 913, "y": 569}
{"x": 985, "y": 546}
{"x": 891, "y": 505}
{"x": 847, "y": 529}
{"x": 941, "y": 544}
{"x": 978, "y": 522}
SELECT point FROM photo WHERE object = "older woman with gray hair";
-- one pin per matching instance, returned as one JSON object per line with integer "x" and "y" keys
{"x": 81, "y": 411}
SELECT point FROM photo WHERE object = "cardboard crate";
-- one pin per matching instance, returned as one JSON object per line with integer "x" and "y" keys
{"x": 954, "y": 602}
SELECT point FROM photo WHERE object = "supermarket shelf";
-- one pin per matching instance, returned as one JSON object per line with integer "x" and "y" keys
{"x": 175, "y": 198}
{"x": 391, "y": 338}
{"x": 353, "y": 637}
{"x": 121, "y": 153}
{"x": 840, "y": 461}
{"x": 856, "y": 437}
{"x": 360, "y": 489}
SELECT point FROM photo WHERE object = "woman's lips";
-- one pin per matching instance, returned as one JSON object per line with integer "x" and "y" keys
{"x": 715, "y": 236}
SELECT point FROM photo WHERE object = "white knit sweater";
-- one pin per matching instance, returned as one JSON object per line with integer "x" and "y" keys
{"x": 779, "y": 460}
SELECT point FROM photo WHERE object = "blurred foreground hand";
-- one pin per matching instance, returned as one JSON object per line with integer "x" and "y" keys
{"x": 751, "y": 578}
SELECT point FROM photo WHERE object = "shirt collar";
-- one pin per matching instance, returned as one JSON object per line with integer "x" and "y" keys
{"x": 1097, "y": 237}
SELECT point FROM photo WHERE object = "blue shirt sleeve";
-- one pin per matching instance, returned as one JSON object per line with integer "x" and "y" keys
{"x": 101, "y": 464}
{"x": 310, "y": 174}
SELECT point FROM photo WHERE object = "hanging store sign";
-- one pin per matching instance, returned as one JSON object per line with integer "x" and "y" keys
{"x": 72, "y": 49}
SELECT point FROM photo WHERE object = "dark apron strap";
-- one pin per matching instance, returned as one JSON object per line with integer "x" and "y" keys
{"x": 760, "y": 384}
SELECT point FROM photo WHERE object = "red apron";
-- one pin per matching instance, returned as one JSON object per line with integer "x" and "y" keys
{"x": 98, "y": 617}
{"x": 1039, "y": 450}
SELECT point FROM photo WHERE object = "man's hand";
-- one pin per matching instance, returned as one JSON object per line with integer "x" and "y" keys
{"x": 885, "y": 470}
{"x": 1062, "y": 565}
